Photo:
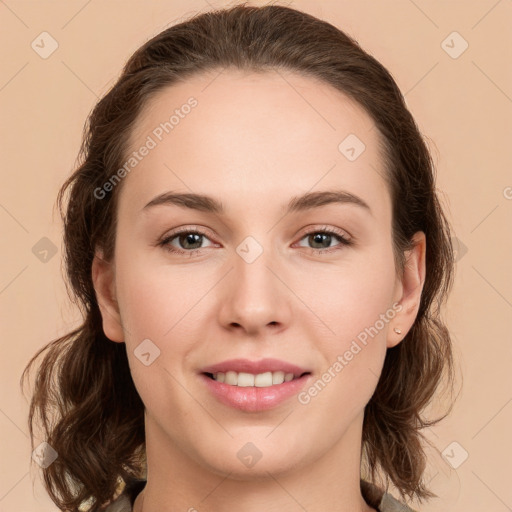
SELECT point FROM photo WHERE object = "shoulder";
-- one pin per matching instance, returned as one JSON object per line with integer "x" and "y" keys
{"x": 381, "y": 500}
{"x": 124, "y": 502}
{"x": 373, "y": 495}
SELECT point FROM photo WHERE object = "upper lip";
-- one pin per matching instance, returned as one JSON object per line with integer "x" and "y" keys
{"x": 255, "y": 367}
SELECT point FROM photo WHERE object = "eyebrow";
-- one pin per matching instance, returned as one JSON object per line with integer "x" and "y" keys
{"x": 305, "y": 202}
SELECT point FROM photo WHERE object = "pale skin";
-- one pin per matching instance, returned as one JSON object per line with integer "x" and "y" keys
{"x": 253, "y": 142}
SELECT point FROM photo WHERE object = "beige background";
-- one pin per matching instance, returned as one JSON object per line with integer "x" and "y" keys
{"x": 463, "y": 105}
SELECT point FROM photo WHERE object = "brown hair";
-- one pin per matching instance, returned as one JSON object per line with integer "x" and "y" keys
{"x": 84, "y": 394}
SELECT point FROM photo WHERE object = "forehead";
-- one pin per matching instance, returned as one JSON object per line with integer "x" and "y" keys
{"x": 251, "y": 134}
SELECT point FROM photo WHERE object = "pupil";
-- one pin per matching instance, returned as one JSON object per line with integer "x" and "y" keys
{"x": 317, "y": 238}
{"x": 190, "y": 238}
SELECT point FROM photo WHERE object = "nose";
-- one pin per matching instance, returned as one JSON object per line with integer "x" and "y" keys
{"x": 254, "y": 298}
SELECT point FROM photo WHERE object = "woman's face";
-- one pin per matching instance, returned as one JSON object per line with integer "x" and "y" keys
{"x": 261, "y": 281}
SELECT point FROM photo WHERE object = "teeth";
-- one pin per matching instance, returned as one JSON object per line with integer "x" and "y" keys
{"x": 230, "y": 378}
{"x": 261, "y": 380}
{"x": 245, "y": 380}
{"x": 278, "y": 377}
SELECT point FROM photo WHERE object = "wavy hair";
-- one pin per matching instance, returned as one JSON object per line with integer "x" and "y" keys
{"x": 84, "y": 395}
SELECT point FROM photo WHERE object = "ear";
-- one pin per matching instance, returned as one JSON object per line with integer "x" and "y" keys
{"x": 409, "y": 290}
{"x": 103, "y": 277}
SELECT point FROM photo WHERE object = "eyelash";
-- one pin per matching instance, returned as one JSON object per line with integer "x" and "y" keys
{"x": 165, "y": 243}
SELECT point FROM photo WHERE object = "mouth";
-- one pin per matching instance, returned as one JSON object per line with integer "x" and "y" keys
{"x": 254, "y": 386}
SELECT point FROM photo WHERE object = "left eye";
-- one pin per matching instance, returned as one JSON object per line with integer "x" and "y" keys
{"x": 321, "y": 237}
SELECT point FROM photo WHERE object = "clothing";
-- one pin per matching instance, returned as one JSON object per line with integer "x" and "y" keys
{"x": 373, "y": 495}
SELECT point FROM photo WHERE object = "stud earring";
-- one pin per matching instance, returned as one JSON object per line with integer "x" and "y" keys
{"x": 398, "y": 331}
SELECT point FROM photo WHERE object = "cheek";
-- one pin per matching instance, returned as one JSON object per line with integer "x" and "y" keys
{"x": 357, "y": 308}
{"x": 351, "y": 297}
{"x": 163, "y": 304}
{"x": 157, "y": 305}
{"x": 154, "y": 300}
{"x": 352, "y": 357}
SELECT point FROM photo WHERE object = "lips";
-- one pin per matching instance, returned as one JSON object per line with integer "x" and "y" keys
{"x": 254, "y": 386}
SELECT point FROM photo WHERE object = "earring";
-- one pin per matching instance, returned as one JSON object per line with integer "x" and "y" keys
{"x": 398, "y": 331}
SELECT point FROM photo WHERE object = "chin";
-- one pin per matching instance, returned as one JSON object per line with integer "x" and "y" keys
{"x": 260, "y": 471}
{"x": 249, "y": 460}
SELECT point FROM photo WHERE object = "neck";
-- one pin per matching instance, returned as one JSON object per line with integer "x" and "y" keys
{"x": 176, "y": 481}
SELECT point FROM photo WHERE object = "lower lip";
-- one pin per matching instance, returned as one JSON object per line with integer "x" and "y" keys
{"x": 253, "y": 399}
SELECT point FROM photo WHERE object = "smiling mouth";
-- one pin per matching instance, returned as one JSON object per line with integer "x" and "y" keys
{"x": 260, "y": 380}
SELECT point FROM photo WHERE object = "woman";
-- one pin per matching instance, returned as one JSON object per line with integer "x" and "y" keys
{"x": 255, "y": 239}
